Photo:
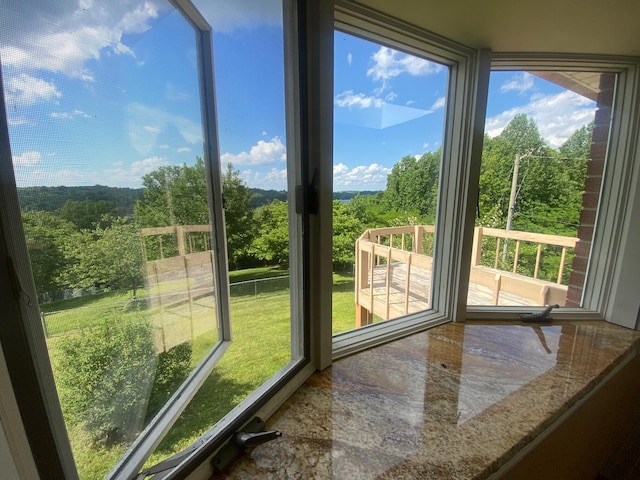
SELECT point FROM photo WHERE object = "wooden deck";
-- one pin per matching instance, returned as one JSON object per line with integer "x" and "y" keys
{"x": 419, "y": 292}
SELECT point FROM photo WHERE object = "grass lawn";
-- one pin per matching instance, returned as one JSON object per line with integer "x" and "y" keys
{"x": 261, "y": 346}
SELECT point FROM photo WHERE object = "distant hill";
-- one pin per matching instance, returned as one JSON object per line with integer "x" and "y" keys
{"x": 53, "y": 198}
{"x": 261, "y": 197}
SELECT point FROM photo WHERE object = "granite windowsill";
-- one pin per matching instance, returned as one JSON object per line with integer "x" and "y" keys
{"x": 456, "y": 401}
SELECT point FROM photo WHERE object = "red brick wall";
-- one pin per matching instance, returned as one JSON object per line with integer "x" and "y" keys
{"x": 595, "y": 168}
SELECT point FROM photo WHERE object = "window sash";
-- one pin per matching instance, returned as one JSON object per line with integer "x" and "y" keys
{"x": 462, "y": 148}
{"x": 617, "y": 184}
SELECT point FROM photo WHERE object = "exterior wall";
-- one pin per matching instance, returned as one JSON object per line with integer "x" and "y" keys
{"x": 595, "y": 169}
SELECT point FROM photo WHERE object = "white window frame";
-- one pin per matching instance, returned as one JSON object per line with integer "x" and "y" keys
{"x": 611, "y": 255}
{"x": 462, "y": 150}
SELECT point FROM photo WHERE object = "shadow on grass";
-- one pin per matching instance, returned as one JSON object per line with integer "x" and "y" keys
{"x": 217, "y": 396}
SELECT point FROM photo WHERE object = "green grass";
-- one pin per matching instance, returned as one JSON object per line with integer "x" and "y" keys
{"x": 260, "y": 347}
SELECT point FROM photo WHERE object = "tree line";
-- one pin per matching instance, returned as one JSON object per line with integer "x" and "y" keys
{"x": 95, "y": 242}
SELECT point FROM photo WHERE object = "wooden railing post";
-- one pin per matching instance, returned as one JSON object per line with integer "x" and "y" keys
{"x": 180, "y": 239}
{"x": 476, "y": 255}
{"x": 418, "y": 239}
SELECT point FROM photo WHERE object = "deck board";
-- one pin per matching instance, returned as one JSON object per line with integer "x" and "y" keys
{"x": 419, "y": 292}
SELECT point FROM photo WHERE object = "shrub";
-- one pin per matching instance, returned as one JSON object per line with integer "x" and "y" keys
{"x": 174, "y": 366}
{"x": 105, "y": 378}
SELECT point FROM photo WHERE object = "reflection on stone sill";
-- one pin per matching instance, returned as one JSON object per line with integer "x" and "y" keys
{"x": 451, "y": 402}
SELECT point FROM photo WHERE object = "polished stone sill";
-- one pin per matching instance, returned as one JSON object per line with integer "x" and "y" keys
{"x": 456, "y": 401}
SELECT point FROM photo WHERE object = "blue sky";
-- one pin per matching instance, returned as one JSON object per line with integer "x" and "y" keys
{"x": 102, "y": 93}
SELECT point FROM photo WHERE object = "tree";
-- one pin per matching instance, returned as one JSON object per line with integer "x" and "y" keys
{"x": 346, "y": 230}
{"x": 86, "y": 213}
{"x": 412, "y": 185}
{"x": 177, "y": 195}
{"x": 109, "y": 257}
{"x": 45, "y": 234}
{"x": 238, "y": 216}
{"x": 174, "y": 195}
{"x": 271, "y": 242}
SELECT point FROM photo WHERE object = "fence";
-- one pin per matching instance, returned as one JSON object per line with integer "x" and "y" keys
{"x": 174, "y": 314}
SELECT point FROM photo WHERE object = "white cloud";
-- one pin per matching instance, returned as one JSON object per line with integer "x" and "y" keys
{"x": 27, "y": 159}
{"x": 362, "y": 177}
{"x": 62, "y": 36}
{"x": 183, "y": 150}
{"x": 274, "y": 179}
{"x": 388, "y": 63}
{"x": 558, "y": 116}
{"x": 349, "y": 58}
{"x": 225, "y": 16}
{"x": 69, "y": 115}
{"x": 439, "y": 103}
{"x": 145, "y": 123}
{"x": 24, "y": 90}
{"x": 142, "y": 167}
{"x": 260, "y": 154}
{"x": 349, "y": 99}
{"x": 520, "y": 82}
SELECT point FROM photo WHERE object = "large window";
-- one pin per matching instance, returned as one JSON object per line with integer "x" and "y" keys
{"x": 152, "y": 176}
{"x": 173, "y": 230}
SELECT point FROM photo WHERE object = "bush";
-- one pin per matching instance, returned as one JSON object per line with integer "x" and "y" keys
{"x": 174, "y": 366}
{"x": 105, "y": 378}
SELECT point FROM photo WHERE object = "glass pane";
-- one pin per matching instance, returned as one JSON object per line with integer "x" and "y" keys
{"x": 543, "y": 157}
{"x": 249, "y": 83}
{"x": 388, "y": 131}
{"x": 103, "y": 103}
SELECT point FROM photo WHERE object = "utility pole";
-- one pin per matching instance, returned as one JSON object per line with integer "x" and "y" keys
{"x": 512, "y": 202}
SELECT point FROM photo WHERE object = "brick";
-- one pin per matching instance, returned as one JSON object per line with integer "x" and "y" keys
{"x": 579, "y": 264}
{"x": 577, "y": 279}
{"x": 607, "y": 81}
{"x": 602, "y": 116}
{"x": 588, "y": 216}
{"x": 571, "y": 303}
{"x": 574, "y": 294}
{"x": 585, "y": 232}
{"x": 600, "y": 134}
{"x": 590, "y": 200}
{"x": 583, "y": 248}
{"x": 592, "y": 183}
{"x": 595, "y": 166}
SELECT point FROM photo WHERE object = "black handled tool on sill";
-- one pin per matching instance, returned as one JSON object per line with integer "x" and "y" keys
{"x": 542, "y": 316}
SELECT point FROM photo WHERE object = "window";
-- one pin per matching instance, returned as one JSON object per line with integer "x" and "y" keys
{"x": 399, "y": 57}
{"x": 544, "y": 153}
{"x": 131, "y": 214}
{"x": 191, "y": 300}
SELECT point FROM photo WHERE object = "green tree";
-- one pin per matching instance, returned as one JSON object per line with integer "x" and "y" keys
{"x": 238, "y": 216}
{"x": 177, "y": 195}
{"x": 45, "y": 234}
{"x": 271, "y": 242}
{"x": 174, "y": 195}
{"x": 109, "y": 257}
{"x": 86, "y": 213}
{"x": 412, "y": 185}
{"x": 346, "y": 230}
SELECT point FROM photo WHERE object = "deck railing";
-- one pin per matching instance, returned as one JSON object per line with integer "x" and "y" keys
{"x": 413, "y": 246}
